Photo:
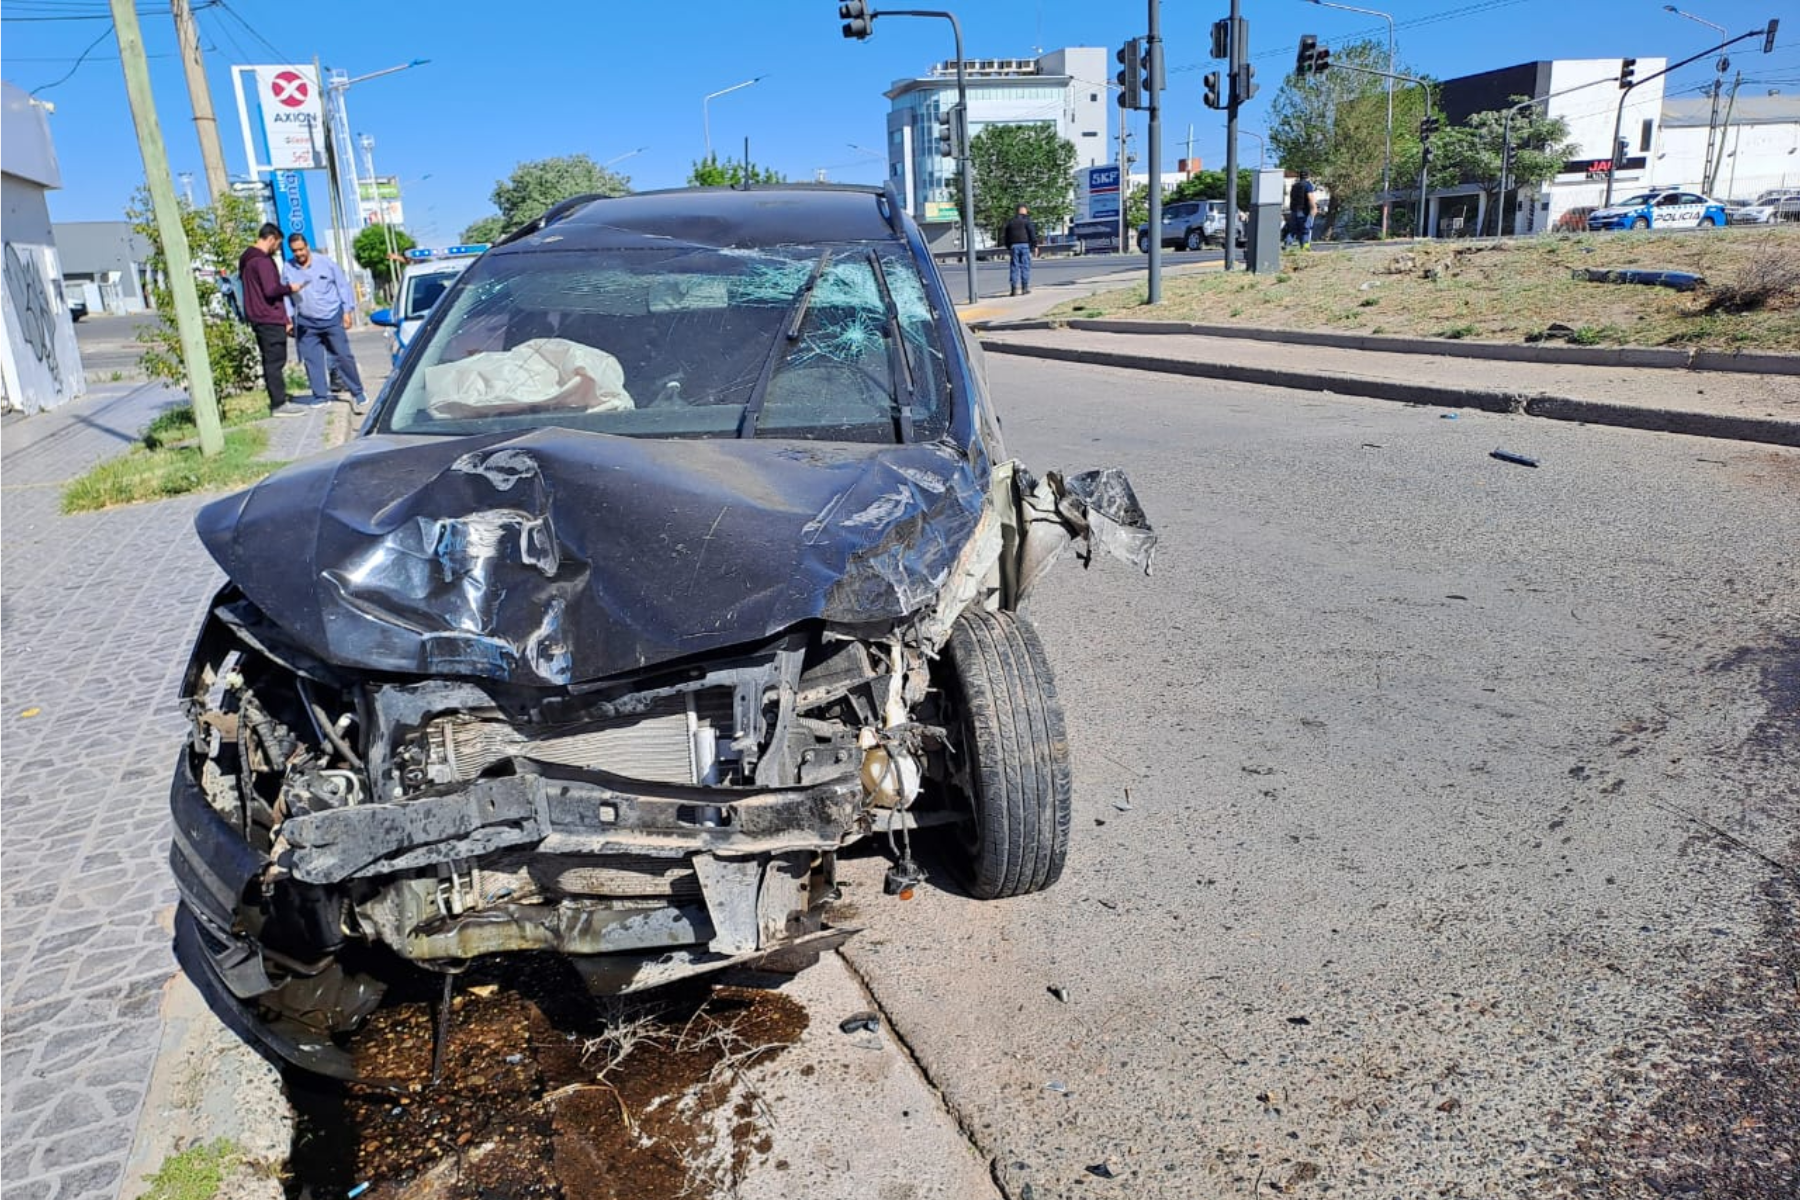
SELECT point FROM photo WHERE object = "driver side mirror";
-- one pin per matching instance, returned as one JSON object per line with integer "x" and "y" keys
{"x": 385, "y": 316}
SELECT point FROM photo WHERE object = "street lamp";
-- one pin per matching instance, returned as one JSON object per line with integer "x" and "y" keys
{"x": 705, "y": 116}
{"x": 1387, "y": 164}
{"x": 1707, "y": 171}
{"x": 1262, "y": 154}
{"x": 381, "y": 213}
{"x": 617, "y": 158}
{"x": 338, "y": 135}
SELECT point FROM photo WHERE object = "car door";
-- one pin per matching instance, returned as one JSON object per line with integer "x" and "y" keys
{"x": 1674, "y": 212}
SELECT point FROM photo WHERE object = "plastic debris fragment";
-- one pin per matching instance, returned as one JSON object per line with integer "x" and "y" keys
{"x": 1509, "y": 456}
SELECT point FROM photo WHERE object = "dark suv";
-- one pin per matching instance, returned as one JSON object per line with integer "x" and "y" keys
{"x": 679, "y": 552}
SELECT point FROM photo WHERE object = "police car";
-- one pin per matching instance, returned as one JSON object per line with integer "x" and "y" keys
{"x": 428, "y": 275}
{"x": 1663, "y": 208}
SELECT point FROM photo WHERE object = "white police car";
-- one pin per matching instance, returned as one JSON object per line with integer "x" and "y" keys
{"x": 428, "y": 275}
{"x": 1662, "y": 208}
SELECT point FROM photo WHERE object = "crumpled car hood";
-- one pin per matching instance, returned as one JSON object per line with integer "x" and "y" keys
{"x": 551, "y": 557}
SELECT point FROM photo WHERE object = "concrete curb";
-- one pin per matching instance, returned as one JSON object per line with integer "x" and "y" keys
{"x": 1539, "y": 352}
{"x": 1770, "y": 431}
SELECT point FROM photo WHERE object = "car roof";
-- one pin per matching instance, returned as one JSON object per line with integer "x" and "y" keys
{"x": 728, "y": 217}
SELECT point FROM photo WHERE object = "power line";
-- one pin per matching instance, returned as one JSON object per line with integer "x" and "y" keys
{"x": 251, "y": 29}
{"x": 106, "y": 33}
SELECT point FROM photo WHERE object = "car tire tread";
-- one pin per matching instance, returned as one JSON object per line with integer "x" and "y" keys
{"x": 1017, "y": 743}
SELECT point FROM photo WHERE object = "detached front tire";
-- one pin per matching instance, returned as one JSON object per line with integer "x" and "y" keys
{"x": 1010, "y": 771}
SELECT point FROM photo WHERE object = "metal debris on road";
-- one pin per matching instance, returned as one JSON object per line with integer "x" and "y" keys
{"x": 1060, "y": 992}
{"x": 1061, "y": 1089}
{"x": 862, "y": 1022}
{"x": 1125, "y": 804}
{"x": 1447, "y": 416}
{"x": 1509, "y": 456}
{"x": 1112, "y": 1168}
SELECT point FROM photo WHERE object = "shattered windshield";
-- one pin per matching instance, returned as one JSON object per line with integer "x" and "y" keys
{"x": 806, "y": 341}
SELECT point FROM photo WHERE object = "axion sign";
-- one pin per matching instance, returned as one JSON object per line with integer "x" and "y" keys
{"x": 287, "y": 130}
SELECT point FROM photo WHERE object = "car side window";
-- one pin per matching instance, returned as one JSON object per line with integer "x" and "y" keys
{"x": 1668, "y": 201}
{"x": 1690, "y": 198}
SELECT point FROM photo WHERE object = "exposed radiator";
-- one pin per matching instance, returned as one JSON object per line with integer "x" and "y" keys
{"x": 658, "y": 745}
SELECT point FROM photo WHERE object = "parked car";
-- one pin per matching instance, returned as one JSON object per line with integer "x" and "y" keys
{"x": 1660, "y": 208}
{"x": 428, "y": 274}
{"x": 1189, "y": 225}
{"x": 680, "y": 551}
{"x": 75, "y": 298}
{"x": 1781, "y": 204}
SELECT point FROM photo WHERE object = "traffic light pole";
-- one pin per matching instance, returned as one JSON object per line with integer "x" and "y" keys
{"x": 967, "y": 203}
{"x": 1153, "y": 155}
{"x": 1229, "y": 237}
{"x": 1767, "y": 33}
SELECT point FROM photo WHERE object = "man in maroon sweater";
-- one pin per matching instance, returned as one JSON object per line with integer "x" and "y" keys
{"x": 265, "y": 307}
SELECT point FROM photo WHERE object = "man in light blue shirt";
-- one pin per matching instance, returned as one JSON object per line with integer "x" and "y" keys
{"x": 320, "y": 314}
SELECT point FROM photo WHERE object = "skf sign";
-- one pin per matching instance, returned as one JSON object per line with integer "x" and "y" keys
{"x": 293, "y": 118}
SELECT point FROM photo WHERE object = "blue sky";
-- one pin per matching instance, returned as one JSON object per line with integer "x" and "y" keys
{"x": 605, "y": 78}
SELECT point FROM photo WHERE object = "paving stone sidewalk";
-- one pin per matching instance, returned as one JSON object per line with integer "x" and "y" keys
{"x": 97, "y": 611}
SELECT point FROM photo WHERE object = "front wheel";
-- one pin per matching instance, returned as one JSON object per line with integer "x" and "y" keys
{"x": 1640, "y": 222}
{"x": 1143, "y": 244}
{"x": 1009, "y": 765}
{"x": 1196, "y": 240}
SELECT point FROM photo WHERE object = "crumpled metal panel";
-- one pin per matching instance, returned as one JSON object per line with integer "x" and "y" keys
{"x": 551, "y": 557}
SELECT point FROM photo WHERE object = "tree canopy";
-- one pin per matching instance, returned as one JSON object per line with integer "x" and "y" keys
{"x": 710, "y": 172}
{"x": 370, "y": 249}
{"x": 1336, "y": 127}
{"x": 1210, "y": 185}
{"x": 1471, "y": 152}
{"x": 1021, "y": 164}
{"x": 534, "y": 187}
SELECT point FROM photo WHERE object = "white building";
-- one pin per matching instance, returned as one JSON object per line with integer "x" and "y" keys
{"x": 40, "y": 366}
{"x": 1756, "y": 147}
{"x": 1065, "y": 89}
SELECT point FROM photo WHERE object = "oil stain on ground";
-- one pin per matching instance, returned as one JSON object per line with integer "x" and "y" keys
{"x": 546, "y": 1093}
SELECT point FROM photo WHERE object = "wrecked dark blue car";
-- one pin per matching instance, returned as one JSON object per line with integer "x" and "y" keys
{"x": 680, "y": 552}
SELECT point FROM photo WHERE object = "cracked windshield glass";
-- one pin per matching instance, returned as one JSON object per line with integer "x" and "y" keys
{"x": 833, "y": 343}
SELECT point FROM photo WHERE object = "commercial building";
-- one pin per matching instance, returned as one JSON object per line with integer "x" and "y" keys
{"x": 106, "y": 263}
{"x": 1755, "y": 142}
{"x": 40, "y": 366}
{"x": 1064, "y": 88}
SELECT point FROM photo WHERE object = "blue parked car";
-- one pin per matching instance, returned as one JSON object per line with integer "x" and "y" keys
{"x": 1662, "y": 208}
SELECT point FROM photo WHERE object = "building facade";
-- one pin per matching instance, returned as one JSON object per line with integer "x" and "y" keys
{"x": 40, "y": 365}
{"x": 1755, "y": 144}
{"x": 1064, "y": 88}
{"x": 107, "y": 262}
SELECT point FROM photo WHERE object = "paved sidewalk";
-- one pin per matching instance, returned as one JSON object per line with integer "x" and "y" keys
{"x": 1729, "y": 404}
{"x": 96, "y": 614}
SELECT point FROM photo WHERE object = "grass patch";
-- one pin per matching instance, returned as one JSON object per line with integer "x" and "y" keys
{"x": 194, "y": 1174}
{"x": 154, "y": 474}
{"x": 1504, "y": 291}
{"x": 176, "y": 425}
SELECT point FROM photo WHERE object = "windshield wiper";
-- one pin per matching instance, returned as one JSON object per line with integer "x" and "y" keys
{"x": 802, "y": 302}
{"x": 903, "y": 428}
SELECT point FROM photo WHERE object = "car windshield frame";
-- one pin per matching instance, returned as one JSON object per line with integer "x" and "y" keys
{"x": 698, "y": 331}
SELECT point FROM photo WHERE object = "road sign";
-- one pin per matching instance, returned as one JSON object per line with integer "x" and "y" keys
{"x": 1100, "y": 185}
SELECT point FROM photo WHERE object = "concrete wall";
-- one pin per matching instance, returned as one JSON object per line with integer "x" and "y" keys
{"x": 40, "y": 366}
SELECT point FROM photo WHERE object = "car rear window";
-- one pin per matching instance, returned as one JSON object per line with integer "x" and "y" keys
{"x": 683, "y": 341}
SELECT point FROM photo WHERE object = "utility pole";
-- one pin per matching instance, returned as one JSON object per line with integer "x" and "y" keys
{"x": 168, "y": 224}
{"x": 1124, "y": 180}
{"x": 1713, "y": 165}
{"x": 1152, "y": 97}
{"x": 206, "y": 128}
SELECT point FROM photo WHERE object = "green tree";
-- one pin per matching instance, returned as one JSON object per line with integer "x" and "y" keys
{"x": 1470, "y": 153}
{"x": 371, "y": 252}
{"x": 487, "y": 229}
{"x": 710, "y": 172}
{"x": 1335, "y": 126}
{"x": 216, "y": 236}
{"x": 1021, "y": 164}
{"x": 1210, "y": 185}
{"x": 535, "y": 187}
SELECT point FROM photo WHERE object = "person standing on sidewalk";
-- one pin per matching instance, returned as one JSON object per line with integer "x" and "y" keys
{"x": 266, "y": 296}
{"x": 322, "y": 317}
{"x": 1021, "y": 239}
{"x": 1303, "y": 204}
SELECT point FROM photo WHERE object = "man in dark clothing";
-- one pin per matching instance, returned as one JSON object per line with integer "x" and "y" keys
{"x": 1021, "y": 239}
{"x": 265, "y": 307}
{"x": 1301, "y": 206}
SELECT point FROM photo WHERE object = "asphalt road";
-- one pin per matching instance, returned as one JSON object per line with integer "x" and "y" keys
{"x": 1434, "y": 821}
{"x": 991, "y": 277}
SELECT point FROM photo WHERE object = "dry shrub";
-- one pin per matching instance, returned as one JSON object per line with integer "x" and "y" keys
{"x": 1770, "y": 279}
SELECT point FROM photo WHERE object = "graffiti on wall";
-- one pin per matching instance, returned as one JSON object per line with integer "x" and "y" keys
{"x": 30, "y": 295}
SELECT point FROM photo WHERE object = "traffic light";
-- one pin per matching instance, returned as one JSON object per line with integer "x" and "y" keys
{"x": 1627, "y": 72}
{"x": 1243, "y": 80}
{"x": 1309, "y": 50}
{"x": 950, "y": 140}
{"x": 1221, "y": 38}
{"x": 1212, "y": 90}
{"x": 1131, "y": 74}
{"x": 857, "y": 22}
{"x": 1621, "y": 150}
{"x": 1769, "y": 35}
{"x": 1427, "y": 127}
